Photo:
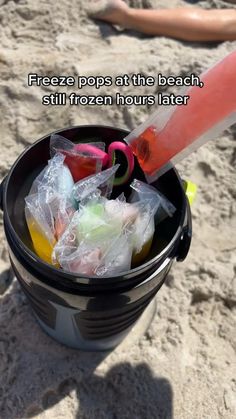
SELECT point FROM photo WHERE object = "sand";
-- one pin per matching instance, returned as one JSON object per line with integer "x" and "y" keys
{"x": 184, "y": 366}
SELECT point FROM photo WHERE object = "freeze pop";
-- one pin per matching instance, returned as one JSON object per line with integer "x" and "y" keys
{"x": 174, "y": 133}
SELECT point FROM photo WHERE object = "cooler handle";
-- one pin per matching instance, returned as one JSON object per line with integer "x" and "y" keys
{"x": 2, "y": 191}
{"x": 186, "y": 238}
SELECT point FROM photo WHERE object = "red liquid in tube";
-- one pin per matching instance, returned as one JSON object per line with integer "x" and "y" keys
{"x": 206, "y": 107}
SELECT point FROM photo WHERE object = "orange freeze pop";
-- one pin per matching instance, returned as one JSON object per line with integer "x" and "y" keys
{"x": 206, "y": 107}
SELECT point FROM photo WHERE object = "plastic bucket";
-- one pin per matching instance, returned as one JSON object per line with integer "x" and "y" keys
{"x": 79, "y": 311}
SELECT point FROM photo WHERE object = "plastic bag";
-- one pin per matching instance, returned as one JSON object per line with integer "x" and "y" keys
{"x": 55, "y": 184}
{"x": 127, "y": 213}
{"x": 89, "y": 186}
{"x": 153, "y": 208}
{"x": 47, "y": 216}
{"x": 95, "y": 243}
{"x": 171, "y": 134}
{"x": 72, "y": 255}
{"x": 56, "y": 177}
{"x": 106, "y": 235}
{"x": 142, "y": 238}
{"x": 49, "y": 206}
{"x": 83, "y": 160}
{"x": 117, "y": 257}
{"x": 84, "y": 260}
{"x": 95, "y": 224}
{"x": 160, "y": 206}
{"x": 39, "y": 225}
{"x": 97, "y": 259}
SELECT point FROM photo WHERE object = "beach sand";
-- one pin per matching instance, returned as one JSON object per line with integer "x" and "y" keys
{"x": 184, "y": 366}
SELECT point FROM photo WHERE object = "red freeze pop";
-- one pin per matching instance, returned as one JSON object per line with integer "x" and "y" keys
{"x": 80, "y": 165}
{"x": 206, "y": 107}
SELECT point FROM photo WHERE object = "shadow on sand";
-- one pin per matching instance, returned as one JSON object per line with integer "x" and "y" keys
{"x": 38, "y": 373}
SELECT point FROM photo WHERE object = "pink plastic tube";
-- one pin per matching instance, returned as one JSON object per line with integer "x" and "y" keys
{"x": 174, "y": 133}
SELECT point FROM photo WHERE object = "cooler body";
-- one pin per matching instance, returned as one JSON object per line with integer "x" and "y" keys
{"x": 91, "y": 313}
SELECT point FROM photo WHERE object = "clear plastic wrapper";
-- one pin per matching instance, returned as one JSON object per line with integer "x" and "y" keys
{"x": 159, "y": 205}
{"x": 47, "y": 216}
{"x": 95, "y": 224}
{"x": 55, "y": 185}
{"x": 171, "y": 134}
{"x": 143, "y": 232}
{"x": 106, "y": 235}
{"x": 102, "y": 181}
{"x": 40, "y": 222}
{"x": 97, "y": 259}
{"x": 57, "y": 177}
{"x": 95, "y": 243}
{"x": 82, "y": 159}
{"x": 84, "y": 260}
{"x": 71, "y": 254}
{"x": 153, "y": 208}
{"x": 42, "y": 245}
{"x": 127, "y": 213}
{"x": 49, "y": 206}
{"x": 118, "y": 256}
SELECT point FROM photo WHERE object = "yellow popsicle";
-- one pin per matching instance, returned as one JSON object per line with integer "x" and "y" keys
{"x": 42, "y": 246}
{"x": 138, "y": 258}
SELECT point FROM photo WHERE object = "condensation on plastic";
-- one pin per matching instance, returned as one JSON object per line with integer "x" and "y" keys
{"x": 171, "y": 134}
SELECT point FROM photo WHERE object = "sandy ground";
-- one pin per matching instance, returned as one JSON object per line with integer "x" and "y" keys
{"x": 184, "y": 366}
